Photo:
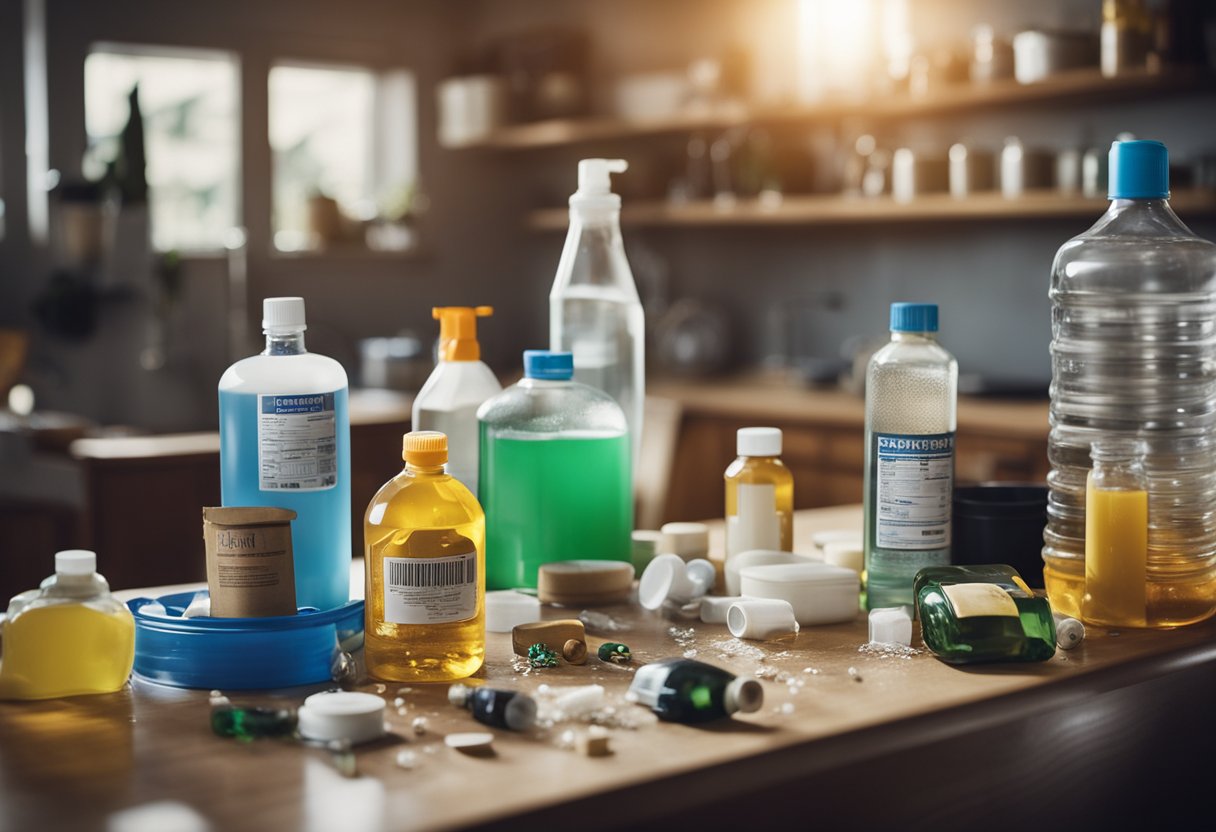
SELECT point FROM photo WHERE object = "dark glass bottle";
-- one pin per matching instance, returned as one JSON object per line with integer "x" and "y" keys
{"x": 685, "y": 690}
{"x": 972, "y": 614}
{"x": 496, "y": 708}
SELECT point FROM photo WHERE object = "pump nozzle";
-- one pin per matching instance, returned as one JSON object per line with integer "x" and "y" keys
{"x": 593, "y": 175}
{"x": 458, "y": 331}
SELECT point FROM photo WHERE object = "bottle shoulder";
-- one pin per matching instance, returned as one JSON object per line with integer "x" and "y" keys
{"x": 758, "y": 470}
{"x": 454, "y": 384}
{"x": 922, "y": 352}
{"x": 442, "y": 497}
{"x": 533, "y": 406}
{"x": 284, "y": 374}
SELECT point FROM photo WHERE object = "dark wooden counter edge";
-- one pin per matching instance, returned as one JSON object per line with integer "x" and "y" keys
{"x": 639, "y": 806}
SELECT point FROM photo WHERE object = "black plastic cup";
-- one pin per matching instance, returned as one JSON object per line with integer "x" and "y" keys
{"x": 1001, "y": 522}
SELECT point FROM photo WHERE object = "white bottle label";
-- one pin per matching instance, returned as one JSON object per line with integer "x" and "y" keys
{"x": 757, "y": 524}
{"x": 297, "y": 442}
{"x": 431, "y": 590}
{"x": 915, "y": 485}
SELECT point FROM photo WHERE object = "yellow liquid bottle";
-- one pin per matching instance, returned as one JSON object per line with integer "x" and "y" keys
{"x": 67, "y": 638}
{"x": 759, "y": 495}
{"x": 424, "y": 560}
{"x": 1116, "y": 536}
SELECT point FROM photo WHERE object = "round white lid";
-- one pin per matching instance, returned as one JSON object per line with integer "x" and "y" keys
{"x": 758, "y": 442}
{"x": 686, "y": 539}
{"x": 342, "y": 715}
{"x": 75, "y": 562}
{"x": 799, "y": 573}
{"x": 283, "y": 313}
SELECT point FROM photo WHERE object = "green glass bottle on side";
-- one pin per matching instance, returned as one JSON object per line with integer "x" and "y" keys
{"x": 974, "y": 614}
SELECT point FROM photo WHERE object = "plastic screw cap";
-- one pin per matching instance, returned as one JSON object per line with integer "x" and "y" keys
{"x": 426, "y": 448}
{"x": 546, "y": 364}
{"x": 283, "y": 313}
{"x": 758, "y": 442}
{"x": 75, "y": 562}
{"x": 743, "y": 696}
{"x": 914, "y": 317}
{"x": 342, "y": 715}
{"x": 1139, "y": 170}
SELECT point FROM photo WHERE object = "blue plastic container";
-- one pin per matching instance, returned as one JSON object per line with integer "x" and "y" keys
{"x": 242, "y": 653}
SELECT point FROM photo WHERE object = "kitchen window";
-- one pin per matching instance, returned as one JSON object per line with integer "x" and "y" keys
{"x": 189, "y": 103}
{"x": 344, "y": 157}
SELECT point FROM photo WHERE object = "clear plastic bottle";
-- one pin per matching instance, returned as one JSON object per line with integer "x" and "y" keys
{"x": 594, "y": 310}
{"x": 424, "y": 570}
{"x": 68, "y": 637}
{"x": 555, "y": 473}
{"x": 911, "y": 399}
{"x": 1134, "y": 355}
{"x": 759, "y": 495}
{"x": 285, "y": 442}
{"x": 449, "y": 400}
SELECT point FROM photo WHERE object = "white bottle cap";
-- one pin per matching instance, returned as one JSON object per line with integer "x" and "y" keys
{"x": 688, "y": 540}
{"x": 758, "y": 442}
{"x": 342, "y": 715}
{"x": 505, "y": 608}
{"x": 75, "y": 562}
{"x": 743, "y": 696}
{"x": 761, "y": 618}
{"x": 283, "y": 314}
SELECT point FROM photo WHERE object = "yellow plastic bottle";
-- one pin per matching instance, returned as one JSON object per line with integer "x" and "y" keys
{"x": 1116, "y": 536}
{"x": 759, "y": 495}
{"x": 68, "y": 637}
{"x": 424, "y": 560}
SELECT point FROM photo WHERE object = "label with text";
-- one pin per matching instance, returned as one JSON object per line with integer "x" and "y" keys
{"x": 297, "y": 442}
{"x": 914, "y": 483}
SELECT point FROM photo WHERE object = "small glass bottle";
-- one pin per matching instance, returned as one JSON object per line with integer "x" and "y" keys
{"x": 972, "y": 614}
{"x": 759, "y": 495}
{"x": 424, "y": 548}
{"x": 1116, "y": 535}
{"x": 689, "y": 691}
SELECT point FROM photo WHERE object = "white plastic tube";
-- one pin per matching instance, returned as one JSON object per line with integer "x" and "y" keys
{"x": 760, "y": 618}
{"x": 714, "y": 609}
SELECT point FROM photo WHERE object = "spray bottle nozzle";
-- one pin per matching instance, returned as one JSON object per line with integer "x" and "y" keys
{"x": 458, "y": 331}
{"x": 593, "y": 175}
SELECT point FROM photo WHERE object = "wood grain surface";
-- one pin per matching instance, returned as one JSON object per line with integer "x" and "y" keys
{"x": 71, "y": 764}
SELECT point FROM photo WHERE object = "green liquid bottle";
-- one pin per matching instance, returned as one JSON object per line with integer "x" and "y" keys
{"x": 972, "y": 614}
{"x": 689, "y": 691}
{"x": 555, "y": 473}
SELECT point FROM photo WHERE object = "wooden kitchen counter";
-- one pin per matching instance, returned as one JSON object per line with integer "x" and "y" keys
{"x": 1095, "y": 734}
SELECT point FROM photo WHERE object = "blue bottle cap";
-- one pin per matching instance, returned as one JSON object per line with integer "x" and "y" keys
{"x": 1139, "y": 170}
{"x": 552, "y": 366}
{"x": 914, "y": 317}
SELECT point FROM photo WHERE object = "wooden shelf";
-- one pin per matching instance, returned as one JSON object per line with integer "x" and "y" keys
{"x": 1081, "y": 86}
{"x": 838, "y": 210}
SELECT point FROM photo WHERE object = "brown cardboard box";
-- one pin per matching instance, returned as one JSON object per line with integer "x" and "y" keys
{"x": 250, "y": 571}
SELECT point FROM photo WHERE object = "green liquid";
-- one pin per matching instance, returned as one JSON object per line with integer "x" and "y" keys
{"x": 552, "y": 499}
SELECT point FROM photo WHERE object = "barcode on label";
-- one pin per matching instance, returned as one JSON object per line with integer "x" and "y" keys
{"x": 432, "y": 573}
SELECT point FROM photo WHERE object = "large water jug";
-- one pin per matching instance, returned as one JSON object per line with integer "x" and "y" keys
{"x": 555, "y": 473}
{"x": 1134, "y": 355}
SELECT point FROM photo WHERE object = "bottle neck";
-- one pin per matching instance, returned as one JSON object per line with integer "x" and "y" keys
{"x": 900, "y": 336}
{"x": 529, "y": 381}
{"x": 423, "y": 470}
{"x": 285, "y": 343}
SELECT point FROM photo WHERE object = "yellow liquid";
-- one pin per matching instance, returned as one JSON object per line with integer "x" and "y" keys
{"x": 422, "y": 513}
{"x": 763, "y": 470}
{"x": 1116, "y": 557}
{"x": 66, "y": 649}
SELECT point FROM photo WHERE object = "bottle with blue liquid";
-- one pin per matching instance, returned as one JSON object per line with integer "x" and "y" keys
{"x": 285, "y": 442}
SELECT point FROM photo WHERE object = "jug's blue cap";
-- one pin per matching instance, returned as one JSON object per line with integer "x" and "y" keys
{"x": 554, "y": 366}
{"x": 914, "y": 317}
{"x": 1139, "y": 170}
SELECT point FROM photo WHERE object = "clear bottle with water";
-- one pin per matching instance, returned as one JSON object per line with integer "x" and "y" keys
{"x": 911, "y": 404}
{"x": 1134, "y": 355}
{"x": 594, "y": 309}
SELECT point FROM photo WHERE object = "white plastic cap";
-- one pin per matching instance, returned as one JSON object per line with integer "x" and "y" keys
{"x": 743, "y": 696}
{"x": 342, "y": 715}
{"x": 688, "y": 540}
{"x": 593, "y": 179}
{"x": 75, "y": 562}
{"x": 506, "y": 608}
{"x": 758, "y": 442}
{"x": 761, "y": 618}
{"x": 283, "y": 313}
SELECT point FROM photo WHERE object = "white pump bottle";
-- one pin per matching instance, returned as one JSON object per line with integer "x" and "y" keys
{"x": 594, "y": 309}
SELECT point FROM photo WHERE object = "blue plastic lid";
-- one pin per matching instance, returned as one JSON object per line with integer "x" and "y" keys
{"x": 546, "y": 364}
{"x": 1139, "y": 170}
{"x": 914, "y": 317}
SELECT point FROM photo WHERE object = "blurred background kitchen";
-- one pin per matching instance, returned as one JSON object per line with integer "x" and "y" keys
{"x": 795, "y": 166}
